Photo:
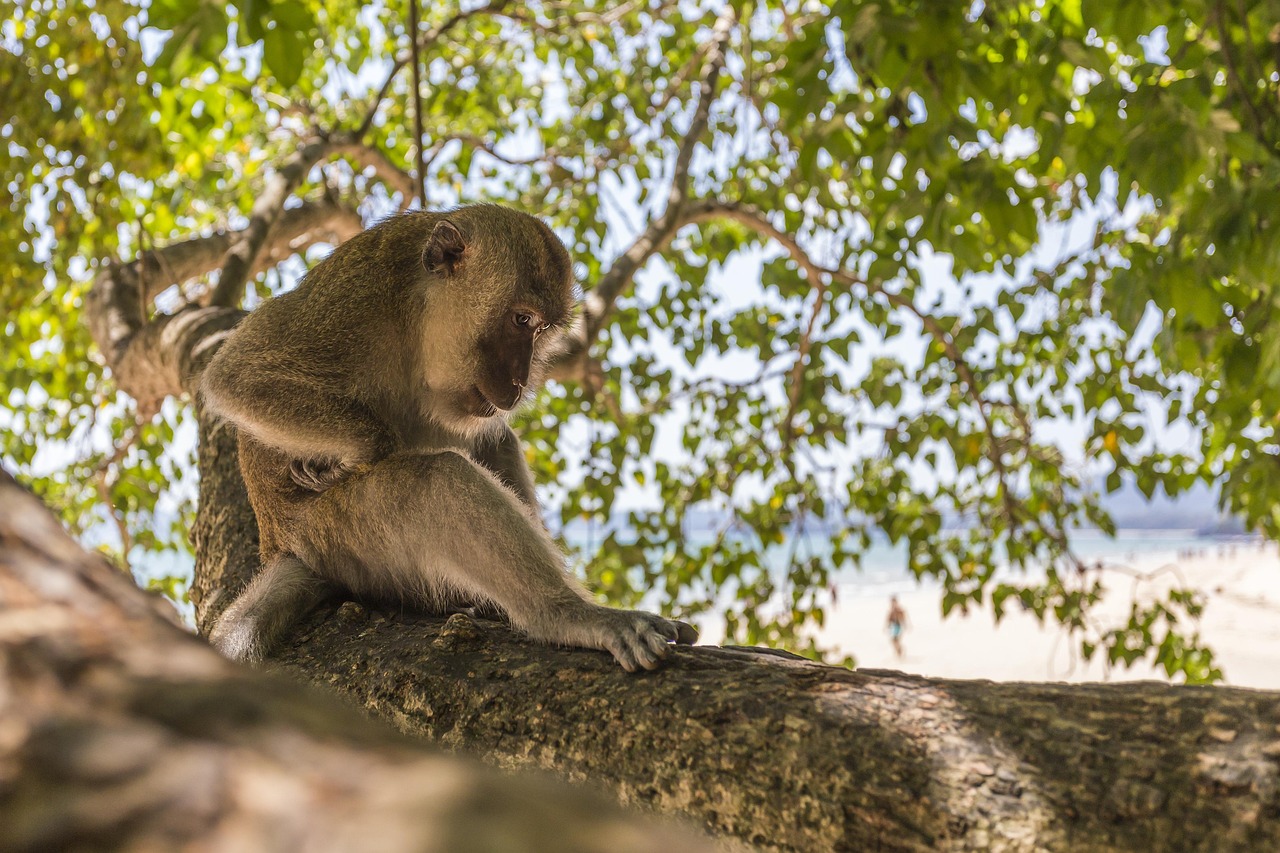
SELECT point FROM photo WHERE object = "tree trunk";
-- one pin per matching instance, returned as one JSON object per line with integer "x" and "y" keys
{"x": 788, "y": 754}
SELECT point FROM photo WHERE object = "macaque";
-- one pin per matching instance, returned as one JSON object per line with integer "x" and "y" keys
{"x": 371, "y": 404}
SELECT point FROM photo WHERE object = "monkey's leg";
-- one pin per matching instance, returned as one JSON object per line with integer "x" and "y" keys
{"x": 283, "y": 591}
{"x": 429, "y": 525}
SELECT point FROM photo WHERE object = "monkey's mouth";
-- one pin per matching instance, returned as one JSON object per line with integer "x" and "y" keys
{"x": 504, "y": 400}
{"x": 480, "y": 405}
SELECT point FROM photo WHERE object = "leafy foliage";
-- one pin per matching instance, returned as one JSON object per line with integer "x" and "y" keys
{"x": 1099, "y": 180}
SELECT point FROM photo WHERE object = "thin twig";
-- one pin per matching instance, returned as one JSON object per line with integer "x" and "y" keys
{"x": 1233, "y": 74}
{"x": 417, "y": 103}
{"x": 422, "y": 41}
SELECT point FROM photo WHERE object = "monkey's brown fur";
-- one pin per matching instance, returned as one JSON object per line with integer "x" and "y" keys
{"x": 370, "y": 403}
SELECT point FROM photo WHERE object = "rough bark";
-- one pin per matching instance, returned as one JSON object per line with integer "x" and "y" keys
{"x": 225, "y": 533}
{"x": 121, "y": 731}
{"x": 791, "y": 755}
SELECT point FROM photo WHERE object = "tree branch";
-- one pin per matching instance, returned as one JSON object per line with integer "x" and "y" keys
{"x": 153, "y": 359}
{"x": 601, "y": 299}
{"x": 706, "y": 94}
{"x": 123, "y": 731}
{"x": 817, "y": 276}
{"x": 547, "y": 156}
{"x": 795, "y": 388}
{"x": 780, "y": 751}
{"x": 1233, "y": 75}
{"x": 416, "y": 100}
{"x": 247, "y": 244}
{"x": 403, "y": 58}
{"x": 755, "y": 219}
{"x": 103, "y": 484}
{"x": 368, "y": 156}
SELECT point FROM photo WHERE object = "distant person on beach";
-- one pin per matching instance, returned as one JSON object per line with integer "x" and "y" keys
{"x": 896, "y": 623}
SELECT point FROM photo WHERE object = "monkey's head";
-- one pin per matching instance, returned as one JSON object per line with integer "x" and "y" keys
{"x": 499, "y": 298}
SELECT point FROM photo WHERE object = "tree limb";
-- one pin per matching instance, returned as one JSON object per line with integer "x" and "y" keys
{"x": 785, "y": 753}
{"x": 370, "y": 156}
{"x": 403, "y": 58}
{"x": 600, "y": 301}
{"x": 1237, "y": 83}
{"x": 793, "y": 755}
{"x": 248, "y": 243}
{"x": 706, "y": 94}
{"x": 758, "y": 221}
{"x": 151, "y": 359}
{"x": 547, "y": 156}
{"x": 415, "y": 59}
{"x": 124, "y": 732}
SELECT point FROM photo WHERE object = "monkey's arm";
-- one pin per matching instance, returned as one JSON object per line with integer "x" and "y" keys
{"x": 422, "y": 522}
{"x": 504, "y": 456}
{"x": 293, "y": 412}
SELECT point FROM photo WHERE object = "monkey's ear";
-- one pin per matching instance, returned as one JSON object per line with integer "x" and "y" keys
{"x": 444, "y": 248}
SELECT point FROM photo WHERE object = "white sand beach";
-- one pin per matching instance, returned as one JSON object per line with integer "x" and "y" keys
{"x": 1241, "y": 623}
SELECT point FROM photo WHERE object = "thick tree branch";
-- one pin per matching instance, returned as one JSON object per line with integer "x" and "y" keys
{"x": 369, "y": 156}
{"x": 151, "y": 360}
{"x": 784, "y": 753}
{"x": 793, "y": 755}
{"x": 248, "y": 243}
{"x": 123, "y": 732}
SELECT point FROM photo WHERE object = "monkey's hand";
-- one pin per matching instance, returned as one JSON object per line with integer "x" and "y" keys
{"x": 318, "y": 475}
{"x": 636, "y": 639}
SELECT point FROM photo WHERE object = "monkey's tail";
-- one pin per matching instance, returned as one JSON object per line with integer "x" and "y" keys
{"x": 283, "y": 592}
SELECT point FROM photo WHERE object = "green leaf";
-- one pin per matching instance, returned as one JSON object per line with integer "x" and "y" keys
{"x": 283, "y": 52}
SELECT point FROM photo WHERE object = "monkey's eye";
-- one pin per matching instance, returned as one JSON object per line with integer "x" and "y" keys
{"x": 523, "y": 319}
{"x": 544, "y": 327}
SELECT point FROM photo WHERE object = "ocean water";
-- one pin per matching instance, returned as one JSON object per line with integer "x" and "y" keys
{"x": 884, "y": 568}
{"x": 885, "y": 565}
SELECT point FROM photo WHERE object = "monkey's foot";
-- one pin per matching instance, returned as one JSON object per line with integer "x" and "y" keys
{"x": 636, "y": 639}
{"x": 318, "y": 475}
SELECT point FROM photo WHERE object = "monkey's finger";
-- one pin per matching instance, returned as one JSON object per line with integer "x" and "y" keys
{"x": 646, "y": 645}
{"x": 665, "y": 628}
{"x": 686, "y": 634}
{"x": 622, "y": 653}
{"x": 646, "y": 656}
{"x": 658, "y": 644}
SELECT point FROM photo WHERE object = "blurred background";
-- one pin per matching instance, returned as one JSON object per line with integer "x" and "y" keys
{"x": 962, "y": 306}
